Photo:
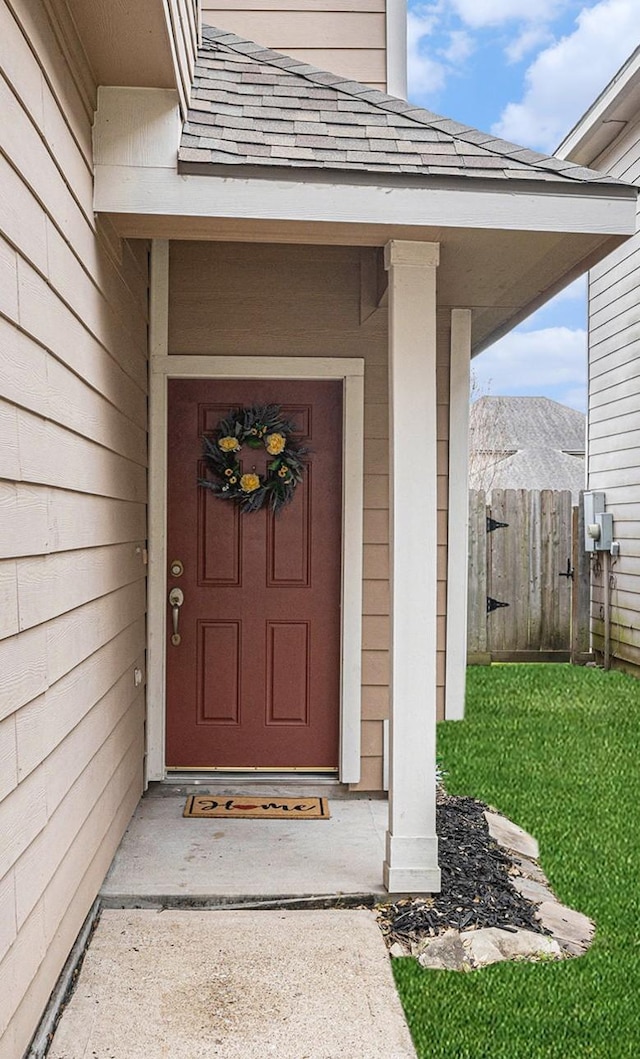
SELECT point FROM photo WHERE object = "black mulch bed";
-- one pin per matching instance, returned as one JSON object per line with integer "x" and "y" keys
{"x": 476, "y": 887}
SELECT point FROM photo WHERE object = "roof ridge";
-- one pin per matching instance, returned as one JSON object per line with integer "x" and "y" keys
{"x": 392, "y": 104}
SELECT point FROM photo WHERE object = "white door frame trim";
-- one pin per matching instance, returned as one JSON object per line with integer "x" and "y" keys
{"x": 162, "y": 368}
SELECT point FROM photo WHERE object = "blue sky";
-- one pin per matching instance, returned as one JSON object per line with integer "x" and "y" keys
{"x": 525, "y": 70}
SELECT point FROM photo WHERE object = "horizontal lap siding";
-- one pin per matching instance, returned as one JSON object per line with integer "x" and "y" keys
{"x": 72, "y": 520}
{"x": 345, "y": 36}
{"x": 240, "y": 299}
{"x": 614, "y": 416}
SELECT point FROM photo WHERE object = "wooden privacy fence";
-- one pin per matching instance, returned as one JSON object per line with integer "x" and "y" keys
{"x": 527, "y": 571}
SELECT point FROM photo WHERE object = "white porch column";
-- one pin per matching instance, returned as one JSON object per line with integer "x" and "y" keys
{"x": 412, "y": 848}
{"x": 458, "y": 514}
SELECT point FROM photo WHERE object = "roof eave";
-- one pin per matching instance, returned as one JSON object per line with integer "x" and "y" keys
{"x": 580, "y": 268}
{"x": 368, "y": 198}
{"x": 321, "y": 174}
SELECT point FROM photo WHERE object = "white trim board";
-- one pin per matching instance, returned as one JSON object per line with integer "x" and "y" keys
{"x": 144, "y": 190}
{"x": 396, "y": 50}
{"x": 351, "y": 371}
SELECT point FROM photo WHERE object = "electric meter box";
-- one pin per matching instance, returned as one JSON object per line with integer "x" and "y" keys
{"x": 594, "y": 504}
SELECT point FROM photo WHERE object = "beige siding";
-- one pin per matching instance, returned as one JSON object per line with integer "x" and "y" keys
{"x": 345, "y": 36}
{"x": 614, "y": 414}
{"x": 72, "y": 519}
{"x": 256, "y": 299}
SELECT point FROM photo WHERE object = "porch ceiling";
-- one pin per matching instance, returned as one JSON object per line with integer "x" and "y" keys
{"x": 501, "y": 275}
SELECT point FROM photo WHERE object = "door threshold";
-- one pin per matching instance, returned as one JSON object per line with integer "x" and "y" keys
{"x": 281, "y": 784}
{"x": 248, "y": 778}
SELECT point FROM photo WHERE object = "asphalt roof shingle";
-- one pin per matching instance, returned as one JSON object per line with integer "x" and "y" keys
{"x": 253, "y": 106}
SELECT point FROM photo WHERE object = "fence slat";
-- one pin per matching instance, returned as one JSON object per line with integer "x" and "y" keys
{"x": 534, "y": 638}
{"x": 580, "y": 590}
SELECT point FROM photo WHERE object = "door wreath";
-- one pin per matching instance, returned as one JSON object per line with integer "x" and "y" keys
{"x": 257, "y": 427}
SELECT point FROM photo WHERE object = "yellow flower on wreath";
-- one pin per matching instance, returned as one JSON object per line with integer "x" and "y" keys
{"x": 249, "y": 483}
{"x": 229, "y": 444}
{"x": 275, "y": 443}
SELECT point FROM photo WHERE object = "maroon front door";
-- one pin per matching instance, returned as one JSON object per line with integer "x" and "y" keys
{"x": 255, "y": 679}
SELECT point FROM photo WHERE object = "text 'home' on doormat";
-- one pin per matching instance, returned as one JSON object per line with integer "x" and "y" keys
{"x": 256, "y": 808}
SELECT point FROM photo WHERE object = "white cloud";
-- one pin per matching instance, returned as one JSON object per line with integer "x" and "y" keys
{"x": 425, "y": 74}
{"x": 549, "y": 362}
{"x": 480, "y": 13}
{"x": 461, "y": 45}
{"x": 566, "y": 77}
{"x": 530, "y": 38}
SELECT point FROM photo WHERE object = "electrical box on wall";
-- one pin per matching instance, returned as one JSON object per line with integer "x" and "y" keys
{"x": 598, "y": 524}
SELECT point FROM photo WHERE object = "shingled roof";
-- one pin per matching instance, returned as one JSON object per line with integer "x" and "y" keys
{"x": 526, "y": 443}
{"x": 251, "y": 106}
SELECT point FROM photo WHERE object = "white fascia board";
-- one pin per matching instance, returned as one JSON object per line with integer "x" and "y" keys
{"x": 589, "y": 136}
{"x": 606, "y": 210}
{"x": 396, "y": 51}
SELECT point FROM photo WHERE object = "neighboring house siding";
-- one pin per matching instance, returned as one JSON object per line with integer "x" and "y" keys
{"x": 247, "y": 299}
{"x": 72, "y": 520}
{"x": 614, "y": 414}
{"x": 344, "y": 36}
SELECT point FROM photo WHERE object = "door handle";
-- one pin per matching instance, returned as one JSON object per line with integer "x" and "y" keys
{"x": 176, "y": 599}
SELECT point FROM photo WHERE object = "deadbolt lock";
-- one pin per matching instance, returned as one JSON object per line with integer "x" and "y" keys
{"x": 176, "y": 568}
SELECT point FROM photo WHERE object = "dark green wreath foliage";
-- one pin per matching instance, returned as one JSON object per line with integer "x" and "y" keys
{"x": 254, "y": 428}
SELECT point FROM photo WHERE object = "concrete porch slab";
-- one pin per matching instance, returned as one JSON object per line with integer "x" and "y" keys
{"x": 165, "y": 859}
{"x": 235, "y": 985}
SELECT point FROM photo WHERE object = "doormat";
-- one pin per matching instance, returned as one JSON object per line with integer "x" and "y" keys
{"x": 256, "y": 808}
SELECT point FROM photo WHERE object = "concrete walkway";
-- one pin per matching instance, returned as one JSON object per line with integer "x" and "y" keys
{"x": 234, "y": 985}
{"x": 166, "y": 859}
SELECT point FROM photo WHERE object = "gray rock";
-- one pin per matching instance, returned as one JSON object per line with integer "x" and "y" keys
{"x": 530, "y": 870}
{"x": 532, "y": 891}
{"x": 444, "y": 952}
{"x": 492, "y": 944}
{"x": 572, "y": 929}
{"x": 510, "y": 836}
{"x": 397, "y": 950}
{"x": 479, "y": 948}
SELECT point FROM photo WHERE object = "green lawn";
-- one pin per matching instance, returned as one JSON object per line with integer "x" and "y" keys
{"x": 556, "y": 749}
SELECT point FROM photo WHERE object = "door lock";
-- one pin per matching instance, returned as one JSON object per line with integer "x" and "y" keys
{"x": 176, "y": 568}
{"x": 176, "y": 599}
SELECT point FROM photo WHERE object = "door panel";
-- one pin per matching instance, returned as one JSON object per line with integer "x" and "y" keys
{"x": 255, "y": 680}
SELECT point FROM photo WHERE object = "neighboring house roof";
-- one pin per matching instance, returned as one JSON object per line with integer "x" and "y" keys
{"x": 253, "y": 106}
{"x": 526, "y": 443}
{"x": 615, "y": 109}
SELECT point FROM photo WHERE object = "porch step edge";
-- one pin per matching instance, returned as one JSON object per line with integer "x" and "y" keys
{"x": 230, "y": 902}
